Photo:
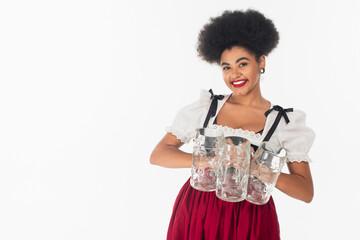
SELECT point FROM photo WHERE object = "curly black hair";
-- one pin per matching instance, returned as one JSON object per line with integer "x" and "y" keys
{"x": 249, "y": 29}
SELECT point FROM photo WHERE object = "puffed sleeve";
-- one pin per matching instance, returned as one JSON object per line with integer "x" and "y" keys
{"x": 296, "y": 137}
{"x": 191, "y": 117}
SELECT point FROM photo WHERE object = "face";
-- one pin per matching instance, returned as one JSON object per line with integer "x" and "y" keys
{"x": 241, "y": 71}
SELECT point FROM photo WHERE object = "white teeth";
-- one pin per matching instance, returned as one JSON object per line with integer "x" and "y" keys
{"x": 238, "y": 82}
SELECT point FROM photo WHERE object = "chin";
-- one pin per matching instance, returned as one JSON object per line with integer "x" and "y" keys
{"x": 239, "y": 92}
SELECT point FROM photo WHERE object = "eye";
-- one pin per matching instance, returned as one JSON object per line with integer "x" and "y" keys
{"x": 243, "y": 64}
{"x": 226, "y": 68}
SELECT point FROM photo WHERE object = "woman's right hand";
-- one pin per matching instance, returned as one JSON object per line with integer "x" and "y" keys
{"x": 167, "y": 153}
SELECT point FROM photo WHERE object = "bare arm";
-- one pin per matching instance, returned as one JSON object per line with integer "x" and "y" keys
{"x": 168, "y": 154}
{"x": 298, "y": 184}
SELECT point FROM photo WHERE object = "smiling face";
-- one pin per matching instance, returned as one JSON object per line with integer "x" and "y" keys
{"x": 241, "y": 71}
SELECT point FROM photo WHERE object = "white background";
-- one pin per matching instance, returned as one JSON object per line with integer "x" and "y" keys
{"x": 87, "y": 88}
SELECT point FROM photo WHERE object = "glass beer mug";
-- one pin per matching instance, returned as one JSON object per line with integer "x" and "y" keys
{"x": 233, "y": 170}
{"x": 265, "y": 168}
{"x": 206, "y": 154}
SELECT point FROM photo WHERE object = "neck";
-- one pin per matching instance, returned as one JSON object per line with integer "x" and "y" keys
{"x": 252, "y": 99}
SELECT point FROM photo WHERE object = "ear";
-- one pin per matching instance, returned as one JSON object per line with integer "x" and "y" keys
{"x": 262, "y": 61}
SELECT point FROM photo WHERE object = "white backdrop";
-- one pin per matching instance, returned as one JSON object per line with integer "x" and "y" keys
{"x": 87, "y": 88}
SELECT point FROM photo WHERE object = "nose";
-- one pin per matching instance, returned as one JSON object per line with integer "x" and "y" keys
{"x": 235, "y": 73}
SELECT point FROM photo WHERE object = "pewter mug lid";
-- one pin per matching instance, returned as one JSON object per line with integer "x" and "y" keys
{"x": 235, "y": 140}
{"x": 271, "y": 155}
{"x": 273, "y": 149}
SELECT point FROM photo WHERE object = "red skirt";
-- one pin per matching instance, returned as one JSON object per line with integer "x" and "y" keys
{"x": 201, "y": 215}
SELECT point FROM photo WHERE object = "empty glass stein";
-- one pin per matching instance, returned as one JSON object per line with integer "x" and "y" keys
{"x": 233, "y": 170}
{"x": 207, "y": 151}
{"x": 265, "y": 168}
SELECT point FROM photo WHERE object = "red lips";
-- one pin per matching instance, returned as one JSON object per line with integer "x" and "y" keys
{"x": 239, "y": 83}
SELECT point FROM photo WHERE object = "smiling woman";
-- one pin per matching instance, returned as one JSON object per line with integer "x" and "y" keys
{"x": 238, "y": 41}
{"x": 241, "y": 75}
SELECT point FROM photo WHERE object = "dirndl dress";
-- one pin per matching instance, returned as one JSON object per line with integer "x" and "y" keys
{"x": 199, "y": 215}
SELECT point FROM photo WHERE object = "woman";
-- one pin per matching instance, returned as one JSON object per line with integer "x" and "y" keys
{"x": 238, "y": 41}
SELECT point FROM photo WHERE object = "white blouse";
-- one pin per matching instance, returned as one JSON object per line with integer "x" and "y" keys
{"x": 295, "y": 136}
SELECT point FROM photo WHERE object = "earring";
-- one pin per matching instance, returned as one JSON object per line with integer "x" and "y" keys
{"x": 262, "y": 70}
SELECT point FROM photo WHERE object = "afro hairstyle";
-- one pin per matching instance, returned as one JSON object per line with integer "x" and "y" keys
{"x": 249, "y": 29}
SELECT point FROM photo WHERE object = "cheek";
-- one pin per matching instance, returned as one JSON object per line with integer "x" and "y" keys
{"x": 253, "y": 75}
{"x": 225, "y": 75}
{"x": 227, "y": 79}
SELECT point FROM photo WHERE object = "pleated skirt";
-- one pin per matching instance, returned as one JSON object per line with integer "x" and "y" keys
{"x": 201, "y": 215}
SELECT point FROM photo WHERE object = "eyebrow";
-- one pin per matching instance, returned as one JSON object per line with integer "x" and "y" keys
{"x": 238, "y": 60}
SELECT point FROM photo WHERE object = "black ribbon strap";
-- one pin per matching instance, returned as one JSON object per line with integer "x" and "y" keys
{"x": 213, "y": 107}
{"x": 281, "y": 113}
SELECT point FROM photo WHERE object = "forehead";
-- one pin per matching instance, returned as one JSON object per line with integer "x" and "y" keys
{"x": 234, "y": 53}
